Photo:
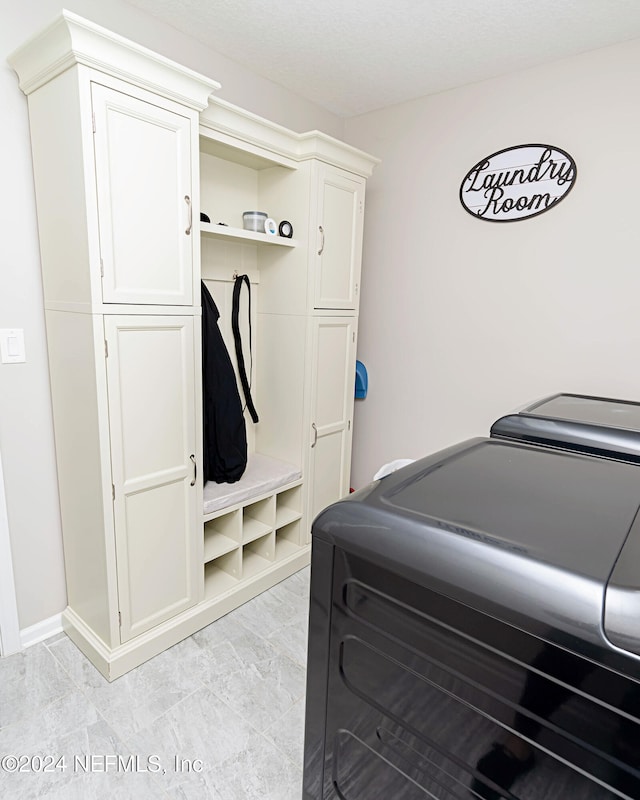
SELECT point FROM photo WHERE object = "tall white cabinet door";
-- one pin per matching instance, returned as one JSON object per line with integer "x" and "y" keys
{"x": 332, "y": 406}
{"x": 143, "y": 178}
{"x": 338, "y": 253}
{"x": 151, "y": 385}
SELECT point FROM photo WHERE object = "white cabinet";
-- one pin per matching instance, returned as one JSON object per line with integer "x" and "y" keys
{"x": 333, "y": 371}
{"x": 114, "y": 140}
{"x": 151, "y": 383}
{"x": 144, "y": 199}
{"x": 335, "y": 263}
{"x": 128, "y": 148}
{"x": 338, "y": 238}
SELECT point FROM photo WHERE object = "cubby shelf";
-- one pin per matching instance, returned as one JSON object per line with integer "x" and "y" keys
{"x": 217, "y": 545}
{"x": 253, "y": 529}
{"x": 241, "y": 235}
{"x": 286, "y": 515}
{"x": 222, "y": 535}
{"x": 247, "y": 539}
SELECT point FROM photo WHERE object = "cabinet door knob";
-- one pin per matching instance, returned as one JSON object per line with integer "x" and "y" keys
{"x": 187, "y": 200}
{"x": 321, "y": 229}
{"x": 195, "y": 470}
{"x": 315, "y": 431}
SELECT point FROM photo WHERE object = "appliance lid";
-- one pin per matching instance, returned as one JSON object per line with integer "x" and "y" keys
{"x": 597, "y": 425}
{"x": 501, "y": 526}
{"x": 592, "y": 410}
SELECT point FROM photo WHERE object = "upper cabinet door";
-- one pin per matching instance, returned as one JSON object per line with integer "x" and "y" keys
{"x": 144, "y": 188}
{"x": 338, "y": 250}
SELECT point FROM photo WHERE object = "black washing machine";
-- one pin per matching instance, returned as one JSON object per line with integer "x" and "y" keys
{"x": 475, "y": 631}
{"x": 598, "y": 425}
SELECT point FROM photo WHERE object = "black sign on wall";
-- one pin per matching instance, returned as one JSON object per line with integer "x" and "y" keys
{"x": 518, "y": 182}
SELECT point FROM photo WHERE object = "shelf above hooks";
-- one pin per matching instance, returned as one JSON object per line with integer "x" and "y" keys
{"x": 245, "y": 237}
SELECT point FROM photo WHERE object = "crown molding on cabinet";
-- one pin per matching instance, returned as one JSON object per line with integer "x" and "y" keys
{"x": 71, "y": 40}
{"x": 234, "y": 126}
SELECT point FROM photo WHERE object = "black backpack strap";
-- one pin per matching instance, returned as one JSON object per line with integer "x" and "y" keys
{"x": 246, "y": 385}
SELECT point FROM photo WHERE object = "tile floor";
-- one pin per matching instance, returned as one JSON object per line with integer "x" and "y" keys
{"x": 227, "y": 703}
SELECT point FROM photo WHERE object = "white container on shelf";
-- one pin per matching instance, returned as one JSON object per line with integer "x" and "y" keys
{"x": 254, "y": 221}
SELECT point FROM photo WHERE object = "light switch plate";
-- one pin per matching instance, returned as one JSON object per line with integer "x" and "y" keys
{"x": 12, "y": 346}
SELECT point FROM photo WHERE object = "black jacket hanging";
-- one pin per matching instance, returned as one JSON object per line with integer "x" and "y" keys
{"x": 224, "y": 432}
{"x": 235, "y": 325}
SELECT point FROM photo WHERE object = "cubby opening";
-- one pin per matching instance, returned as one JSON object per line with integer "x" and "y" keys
{"x": 258, "y": 555}
{"x": 222, "y": 535}
{"x": 257, "y": 519}
{"x": 233, "y": 181}
{"x": 222, "y": 574}
{"x": 288, "y": 506}
{"x": 288, "y": 540}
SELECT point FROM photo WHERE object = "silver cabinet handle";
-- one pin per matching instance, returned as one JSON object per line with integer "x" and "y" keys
{"x": 321, "y": 229}
{"x": 315, "y": 430}
{"x": 195, "y": 470}
{"x": 187, "y": 200}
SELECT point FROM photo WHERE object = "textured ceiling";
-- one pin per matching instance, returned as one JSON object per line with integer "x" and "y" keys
{"x": 354, "y": 56}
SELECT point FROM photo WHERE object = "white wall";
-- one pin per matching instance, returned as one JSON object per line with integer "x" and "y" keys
{"x": 463, "y": 320}
{"x": 26, "y": 433}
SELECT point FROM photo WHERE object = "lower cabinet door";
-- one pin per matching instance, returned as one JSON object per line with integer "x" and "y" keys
{"x": 151, "y": 387}
{"x": 332, "y": 390}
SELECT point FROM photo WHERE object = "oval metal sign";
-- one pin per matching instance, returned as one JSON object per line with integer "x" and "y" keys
{"x": 518, "y": 182}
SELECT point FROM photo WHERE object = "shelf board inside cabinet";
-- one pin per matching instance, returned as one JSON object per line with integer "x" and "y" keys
{"x": 286, "y": 515}
{"x": 216, "y": 545}
{"x": 254, "y": 529}
{"x": 241, "y": 235}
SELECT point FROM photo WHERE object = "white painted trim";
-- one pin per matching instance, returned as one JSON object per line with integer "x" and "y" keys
{"x": 41, "y": 630}
{"x": 226, "y": 123}
{"x": 70, "y": 40}
{"x": 9, "y": 626}
{"x": 116, "y": 661}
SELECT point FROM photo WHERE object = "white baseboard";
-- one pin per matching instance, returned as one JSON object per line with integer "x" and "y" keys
{"x": 41, "y": 630}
